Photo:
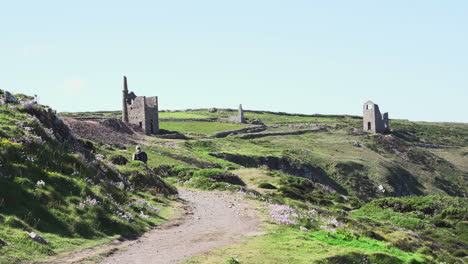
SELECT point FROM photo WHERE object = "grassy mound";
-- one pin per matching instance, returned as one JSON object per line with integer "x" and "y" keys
{"x": 54, "y": 185}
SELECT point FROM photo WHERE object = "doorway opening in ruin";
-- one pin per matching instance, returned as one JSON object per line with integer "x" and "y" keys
{"x": 369, "y": 126}
{"x": 141, "y": 125}
{"x": 152, "y": 127}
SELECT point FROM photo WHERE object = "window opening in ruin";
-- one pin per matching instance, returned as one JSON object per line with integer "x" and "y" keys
{"x": 141, "y": 125}
{"x": 152, "y": 127}
{"x": 369, "y": 125}
{"x": 369, "y": 106}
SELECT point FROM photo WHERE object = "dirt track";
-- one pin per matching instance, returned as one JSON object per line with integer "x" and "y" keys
{"x": 216, "y": 219}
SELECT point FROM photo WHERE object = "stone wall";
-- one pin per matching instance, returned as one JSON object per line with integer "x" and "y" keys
{"x": 151, "y": 115}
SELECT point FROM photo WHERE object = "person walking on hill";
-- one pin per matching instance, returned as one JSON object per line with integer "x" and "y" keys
{"x": 140, "y": 155}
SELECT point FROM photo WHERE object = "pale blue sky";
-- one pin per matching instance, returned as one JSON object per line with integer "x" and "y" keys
{"x": 329, "y": 57}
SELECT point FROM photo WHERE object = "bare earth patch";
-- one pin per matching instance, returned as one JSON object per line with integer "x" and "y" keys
{"x": 104, "y": 131}
{"x": 216, "y": 219}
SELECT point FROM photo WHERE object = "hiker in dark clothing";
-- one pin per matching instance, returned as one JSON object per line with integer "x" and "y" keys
{"x": 140, "y": 155}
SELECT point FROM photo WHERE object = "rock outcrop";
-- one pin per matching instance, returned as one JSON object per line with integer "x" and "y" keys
{"x": 6, "y": 98}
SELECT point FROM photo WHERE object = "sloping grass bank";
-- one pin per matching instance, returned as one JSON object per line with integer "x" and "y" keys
{"x": 54, "y": 185}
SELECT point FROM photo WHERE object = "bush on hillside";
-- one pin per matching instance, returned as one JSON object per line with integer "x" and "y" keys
{"x": 266, "y": 185}
{"x": 118, "y": 159}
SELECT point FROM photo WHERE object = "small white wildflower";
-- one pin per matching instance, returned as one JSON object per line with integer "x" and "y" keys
{"x": 89, "y": 202}
{"x": 40, "y": 183}
{"x": 381, "y": 188}
{"x": 142, "y": 215}
{"x": 50, "y": 133}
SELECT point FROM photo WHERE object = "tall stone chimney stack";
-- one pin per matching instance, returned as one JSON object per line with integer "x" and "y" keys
{"x": 124, "y": 101}
{"x": 240, "y": 115}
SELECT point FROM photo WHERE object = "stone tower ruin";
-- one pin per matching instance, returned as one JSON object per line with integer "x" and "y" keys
{"x": 140, "y": 110}
{"x": 373, "y": 120}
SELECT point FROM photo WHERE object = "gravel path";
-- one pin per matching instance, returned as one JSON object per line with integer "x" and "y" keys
{"x": 215, "y": 219}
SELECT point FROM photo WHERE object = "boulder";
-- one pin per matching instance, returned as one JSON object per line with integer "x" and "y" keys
{"x": 38, "y": 238}
{"x": 9, "y": 98}
{"x": 212, "y": 110}
{"x": 381, "y": 188}
{"x": 357, "y": 144}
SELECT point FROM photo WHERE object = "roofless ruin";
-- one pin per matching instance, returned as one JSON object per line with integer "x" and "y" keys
{"x": 140, "y": 110}
{"x": 373, "y": 120}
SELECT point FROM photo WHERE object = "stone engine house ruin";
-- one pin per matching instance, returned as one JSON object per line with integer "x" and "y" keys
{"x": 373, "y": 120}
{"x": 140, "y": 110}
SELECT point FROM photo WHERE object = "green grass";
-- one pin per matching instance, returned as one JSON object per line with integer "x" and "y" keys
{"x": 358, "y": 170}
{"x": 266, "y": 117}
{"x": 288, "y": 245}
{"x": 421, "y": 214}
{"x": 38, "y": 148}
{"x": 447, "y": 134}
{"x": 388, "y": 230}
{"x": 182, "y": 115}
{"x": 203, "y": 128}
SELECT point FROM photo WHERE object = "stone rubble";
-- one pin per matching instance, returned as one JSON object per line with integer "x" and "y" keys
{"x": 38, "y": 238}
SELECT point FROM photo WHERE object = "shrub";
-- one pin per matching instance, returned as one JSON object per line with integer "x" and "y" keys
{"x": 460, "y": 253}
{"x": 373, "y": 235}
{"x": 232, "y": 261}
{"x": 12, "y": 221}
{"x": 147, "y": 179}
{"x": 292, "y": 192}
{"x": 200, "y": 182}
{"x": 163, "y": 171}
{"x": 118, "y": 159}
{"x": 219, "y": 175}
{"x": 266, "y": 185}
{"x": 406, "y": 244}
{"x": 441, "y": 223}
{"x": 137, "y": 163}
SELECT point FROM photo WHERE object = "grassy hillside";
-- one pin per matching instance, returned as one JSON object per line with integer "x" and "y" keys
{"x": 341, "y": 193}
{"x": 400, "y": 161}
{"x": 57, "y": 186}
{"x": 330, "y": 193}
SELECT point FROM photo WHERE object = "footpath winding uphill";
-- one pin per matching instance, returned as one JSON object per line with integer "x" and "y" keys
{"x": 215, "y": 219}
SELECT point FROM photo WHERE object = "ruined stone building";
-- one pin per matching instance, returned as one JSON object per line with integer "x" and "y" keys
{"x": 140, "y": 110}
{"x": 239, "y": 118}
{"x": 373, "y": 120}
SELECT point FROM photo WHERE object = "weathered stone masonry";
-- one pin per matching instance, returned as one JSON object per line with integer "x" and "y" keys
{"x": 140, "y": 110}
{"x": 373, "y": 120}
{"x": 239, "y": 118}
